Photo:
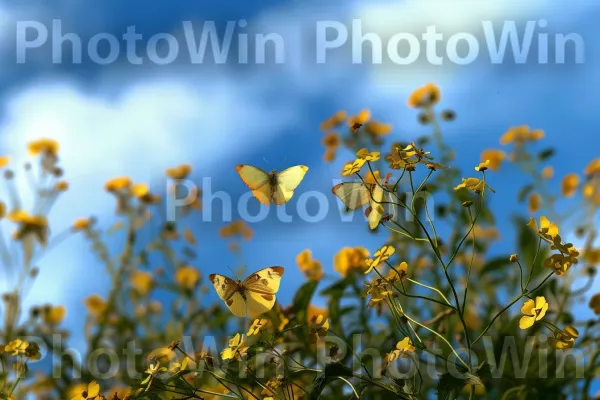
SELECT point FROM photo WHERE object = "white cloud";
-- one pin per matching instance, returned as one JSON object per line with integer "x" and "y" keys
{"x": 148, "y": 128}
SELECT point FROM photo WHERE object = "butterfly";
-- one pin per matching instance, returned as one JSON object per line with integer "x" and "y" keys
{"x": 357, "y": 194}
{"x": 254, "y": 296}
{"x": 274, "y": 186}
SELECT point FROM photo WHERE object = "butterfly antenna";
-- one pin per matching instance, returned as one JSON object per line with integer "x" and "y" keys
{"x": 233, "y": 272}
{"x": 265, "y": 160}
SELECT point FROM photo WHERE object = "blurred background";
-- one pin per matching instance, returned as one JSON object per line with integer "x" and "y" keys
{"x": 139, "y": 119}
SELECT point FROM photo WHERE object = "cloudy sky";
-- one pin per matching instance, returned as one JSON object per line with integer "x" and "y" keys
{"x": 137, "y": 119}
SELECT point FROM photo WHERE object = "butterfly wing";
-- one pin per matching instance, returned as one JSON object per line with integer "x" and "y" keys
{"x": 376, "y": 207}
{"x": 352, "y": 194}
{"x": 257, "y": 303}
{"x": 265, "y": 281}
{"x": 226, "y": 289}
{"x": 261, "y": 288}
{"x": 287, "y": 181}
{"x": 258, "y": 182}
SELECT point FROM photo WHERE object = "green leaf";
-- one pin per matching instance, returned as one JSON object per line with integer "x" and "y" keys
{"x": 302, "y": 299}
{"x": 330, "y": 372}
{"x": 495, "y": 264}
{"x": 546, "y": 154}
{"x": 524, "y": 192}
{"x": 450, "y": 385}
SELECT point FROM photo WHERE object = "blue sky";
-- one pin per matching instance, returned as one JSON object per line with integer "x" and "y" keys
{"x": 139, "y": 119}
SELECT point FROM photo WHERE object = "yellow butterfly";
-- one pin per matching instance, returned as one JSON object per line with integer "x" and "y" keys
{"x": 357, "y": 194}
{"x": 252, "y": 297}
{"x": 274, "y": 186}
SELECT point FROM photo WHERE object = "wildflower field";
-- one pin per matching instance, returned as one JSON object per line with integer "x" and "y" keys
{"x": 433, "y": 312}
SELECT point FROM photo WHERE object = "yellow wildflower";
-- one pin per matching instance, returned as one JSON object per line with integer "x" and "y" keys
{"x": 534, "y": 203}
{"x": 179, "y": 172}
{"x": 361, "y": 118}
{"x": 495, "y": 158}
{"x": 82, "y": 224}
{"x": 122, "y": 183}
{"x": 4, "y": 161}
{"x": 569, "y": 184}
{"x": 256, "y": 326}
{"x": 350, "y": 259}
{"x": 594, "y": 303}
{"x": 473, "y": 184}
{"x": 54, "y": 315}
{"x": 43, "y": 146}
{"x": 141, "y": 282}
{"x": 593, "y": 167}
{"x": 319, "y": 328}
{"x": 17, "y": 347}
{"x": 333, "y": 121}
{"x": 425, "y": 96}
{"x": 236, "y": 349}
{"x": 547, "y": 230}
{"x": 547, "y": 172}
{"x": 237, "y": 227}
{"x": 377, "y": 128}
{"x": 364, "y": 154}
{"x": 381, "y": 255}
{"x": 95, "y": 304}
{"x": 187, "y": 277}
{"x": 564, "y": 339}
{"x": 311, "y": 268}
{"x": 61, "y": 186}
{"x": 353, "y": 167}
{"x": 403, "y": 348}
{"x": 91, "y": 392}
{"x": 533, "y": 311}
{"x": 36, "y": 225}
{"x": 520, "y": 135}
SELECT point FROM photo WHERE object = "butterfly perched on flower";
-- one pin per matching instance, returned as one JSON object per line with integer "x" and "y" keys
{"x": 357, "y": 194}
{"x": 273, "y": 186}
{"x": 252, "y": 297}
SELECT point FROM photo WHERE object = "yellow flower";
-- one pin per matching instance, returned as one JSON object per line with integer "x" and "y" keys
{"x": 564, "y": 339}
{"x": 350, "y": 259}
{"x": 333, "y": 121}
{"x": 329, "y": 155}
{"x": 361, "y": 118}
{"x": 319, "y": 328}
{"x": 118, "y": 184}
{"x": 4, "y": 161}
{"x": 36, "y": 225}
{"x": 377, "y": 128}
{"x": 16, "y": 347}
{"x": 331, "y": 140}
{"x": 61, "y": 186}
{"x": 520, "y": 135}
{"x": 82, "y": 224}
{"x": 473, "y": 184}
{"x": 547, "y": 230}
{"x": 236, "y": 349}
{"x": 535, "y": 203}
{"x": 380, "y": 255}
{"x": 593, "y": 167}
{"x": 364, "y": 154}
{"x": 353, "y": 167}
{"x": 155, "y": 369}
{"x": 45, "y": 146}
{"x": 533, "y": 311}
{"x": 561, "y": 263}
{"x": 256, "y": 326}
{"x": 569, "y": 184}
{"x": 179, "y": 172}
{"x": 311, "y": 268}
{"x": 403, "y": 348}
{"x": 95, "y": 304}
{"x": 187, "y": 277}
{"x": 140, "y": 190}
{"x": 547, "y": 172}
{"x": 378, "y": 289}
{"x": 482, "y": 166}
{"x": 425, "y": 96}
{"x": 90, "y": 392}
{"x": 54, "y": 315}
{"x": 373, "y": 178}
{"x": 141, "y": 282}
{"x": 313, "y": 312}
{"x": 495, "y": 158}
{"x": 594, "y": 303}
{"x": 237, "y": 227}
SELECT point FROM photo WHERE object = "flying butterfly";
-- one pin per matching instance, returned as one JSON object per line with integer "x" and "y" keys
{"x": 273, "y": 186}
{"x": 357, "y": 194}
{"x": 252, "y": 297}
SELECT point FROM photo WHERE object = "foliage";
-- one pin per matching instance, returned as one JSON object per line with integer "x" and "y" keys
{"x": 434, "y": 311}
